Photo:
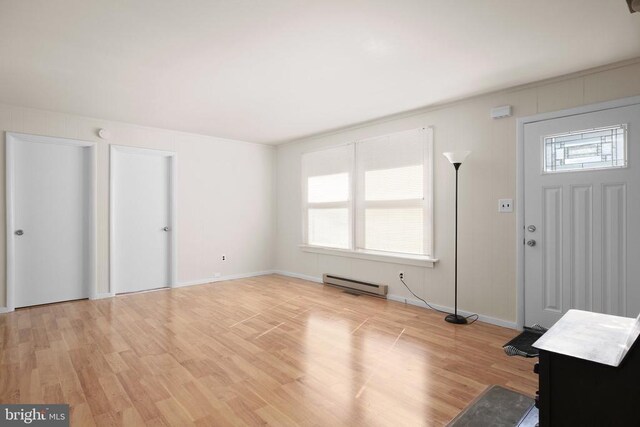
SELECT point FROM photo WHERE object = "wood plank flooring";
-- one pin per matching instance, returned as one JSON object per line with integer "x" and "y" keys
{"x": 266, "y": 350}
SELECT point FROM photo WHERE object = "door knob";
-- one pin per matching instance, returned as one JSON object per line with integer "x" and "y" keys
{"x": 166, "y": 228}
{"x": 531, "y": 228}
{"x": 531, "y": 242}
{"x": 19, "y": 232}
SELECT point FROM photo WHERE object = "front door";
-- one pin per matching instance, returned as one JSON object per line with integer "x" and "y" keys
{"x": 582, "y": 215}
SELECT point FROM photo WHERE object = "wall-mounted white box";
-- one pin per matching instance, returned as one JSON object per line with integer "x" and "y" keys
{"x": 501, "y": 112}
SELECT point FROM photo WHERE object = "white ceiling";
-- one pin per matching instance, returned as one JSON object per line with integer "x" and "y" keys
{"x": 274, "y": 70}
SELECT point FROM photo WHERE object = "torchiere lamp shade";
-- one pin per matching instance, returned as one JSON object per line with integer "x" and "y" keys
{"x": 456, "y": 156}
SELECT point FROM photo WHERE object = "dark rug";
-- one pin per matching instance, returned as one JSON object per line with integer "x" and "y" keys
{"x": 522, "y": 345}
{"x": 495, "y": 407}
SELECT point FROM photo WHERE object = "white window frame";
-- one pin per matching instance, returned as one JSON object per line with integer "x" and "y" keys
{"x": 355, "y": 207}
{"x": 306, "y": 206}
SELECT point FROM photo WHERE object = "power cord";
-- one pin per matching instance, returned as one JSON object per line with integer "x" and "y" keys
{"x": 475, "y": 316}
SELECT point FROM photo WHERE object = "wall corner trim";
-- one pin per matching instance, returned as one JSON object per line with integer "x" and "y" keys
{"x": 223, "y": 278}
{"x": 102, "y": 295}
{"x": 298, "y": 276}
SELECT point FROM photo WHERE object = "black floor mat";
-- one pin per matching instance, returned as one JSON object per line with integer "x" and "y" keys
{"x": 522, "y": 345}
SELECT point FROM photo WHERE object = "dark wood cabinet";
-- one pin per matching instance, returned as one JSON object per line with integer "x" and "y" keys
{"x": 575, "y": 391}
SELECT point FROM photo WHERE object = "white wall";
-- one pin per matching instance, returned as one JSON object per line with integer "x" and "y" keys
{"x": 487, "y": 255}
{"x": 226, "y": 194}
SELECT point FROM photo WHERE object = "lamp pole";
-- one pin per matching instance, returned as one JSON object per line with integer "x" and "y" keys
{"x": 456, "y": 159}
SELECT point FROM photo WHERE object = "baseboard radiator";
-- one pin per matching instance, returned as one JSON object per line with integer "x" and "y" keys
{"x": 355, "y": 286}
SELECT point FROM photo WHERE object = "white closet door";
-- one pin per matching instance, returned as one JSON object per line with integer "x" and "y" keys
{"x": 141, "y": 216}
{"x": 51, "y": 220}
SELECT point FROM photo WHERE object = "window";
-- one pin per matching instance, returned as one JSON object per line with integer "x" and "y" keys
{"x": 601, "y": 148}
{"x": 327, "y": 182}
{"x": 371, "y": 196}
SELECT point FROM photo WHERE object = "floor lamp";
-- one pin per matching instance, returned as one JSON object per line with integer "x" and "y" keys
{"x": 456, "y": 158}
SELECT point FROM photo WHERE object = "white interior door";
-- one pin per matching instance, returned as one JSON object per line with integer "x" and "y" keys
{"x": 585, "y": 222}
{"x": 141, "y": 219}
{"x": 50, "y": 223}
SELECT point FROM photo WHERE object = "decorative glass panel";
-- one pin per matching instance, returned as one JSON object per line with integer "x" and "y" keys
{"x": 601, "y": 148}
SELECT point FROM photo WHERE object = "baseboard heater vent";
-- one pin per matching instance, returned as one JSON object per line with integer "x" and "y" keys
{"x": 355, "y": 286}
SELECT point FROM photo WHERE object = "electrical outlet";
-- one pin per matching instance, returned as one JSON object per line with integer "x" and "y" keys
{"x": 401, "y": 275}
{"x": 224, "y": 257}
{"x": 505, "y": 205}
{"x": 217, "y": 275}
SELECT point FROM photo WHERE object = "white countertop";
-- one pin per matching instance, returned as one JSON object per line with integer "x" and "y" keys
{"x": 596, "y": 337}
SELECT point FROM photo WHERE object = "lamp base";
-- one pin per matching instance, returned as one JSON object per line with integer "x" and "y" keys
{"x": 457, "y": 319}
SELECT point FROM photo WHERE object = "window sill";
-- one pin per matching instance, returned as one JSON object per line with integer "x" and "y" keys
{"x": 417, "y": 260}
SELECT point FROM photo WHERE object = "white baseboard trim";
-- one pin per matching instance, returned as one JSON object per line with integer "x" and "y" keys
{"x": 418, "y": 303}
{"x": 223, "y": 278}
{"x": 102, "y": 295}
{"x": 481, "y": 317}
{"x": 196, "y": 282}
{"x": 298, "y": 276}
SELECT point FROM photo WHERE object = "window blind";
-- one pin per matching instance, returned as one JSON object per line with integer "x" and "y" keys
{"x": 392, "y": 185}
{"x": 327, "y": 197}
{"x": 372, "y": 195}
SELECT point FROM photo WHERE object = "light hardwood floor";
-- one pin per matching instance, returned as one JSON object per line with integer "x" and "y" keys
{"x": 266, "y": 350}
